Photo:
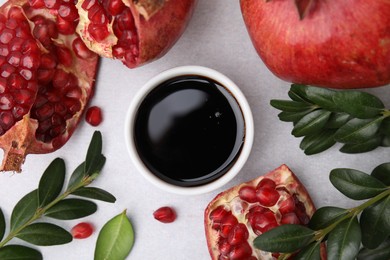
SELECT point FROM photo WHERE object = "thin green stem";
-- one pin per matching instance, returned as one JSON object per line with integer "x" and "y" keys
{"x": 352, "y": 212}
{"x": 41, "y": 211}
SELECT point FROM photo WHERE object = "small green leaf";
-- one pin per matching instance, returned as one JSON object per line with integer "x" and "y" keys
{"x": 382, "y": 173}
{"x": 322, "y": 97}
{"x": 95, "y": 193}
{"x": 296, "y": 97}
{"x": 358, "y": 104}
{"x": 284, "y": 239}
{"x": 316, "y": 143}
{"x": 356, "y": 184}
{"x": 311, "y": 123}
{"x": 94, "y": 154}
{"x": 310, "y": 252}
{"x": 385, "y": 127}
{"x": 375, "y": 223}
{"x": 293, "y": 116}
{"x": 45, "y": 234}
{"x": 17, "y": 252}
{"x": 115, "y": 239}
{"x": 290, "y": 106}
{"x": 358, "y": 130}
{"x": 325, "y": 216}
{"x": 2, "y": 225}
{"x": 385, "y": 141}
{"x": 24, "y": 210}
{"x": 299, "y": 90}
{"x": 51, "y": 182}
{"x": 77, "y": 176}
{"x": 337, "y": 120}
{"x": 344, "y": 240}
{"x": 363, "y": 147}
{"x": 382, "y": 252}
{"x": 71, "y": 209}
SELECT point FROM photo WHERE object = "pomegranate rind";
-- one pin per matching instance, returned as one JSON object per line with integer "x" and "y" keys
{"x": 284, "y": 178}
{"x": 159, "y": 24}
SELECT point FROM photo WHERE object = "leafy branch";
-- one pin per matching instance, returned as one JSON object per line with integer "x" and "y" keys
{"x": 324, "y": 117}
{"x": 48, "y": 201}
{"x": 343, "y": 230}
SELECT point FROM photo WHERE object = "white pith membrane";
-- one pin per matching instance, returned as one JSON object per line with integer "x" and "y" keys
{"x": 230, "y": 200}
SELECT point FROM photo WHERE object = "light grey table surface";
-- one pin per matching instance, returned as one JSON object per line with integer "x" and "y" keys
{"x": 217, "y": 38}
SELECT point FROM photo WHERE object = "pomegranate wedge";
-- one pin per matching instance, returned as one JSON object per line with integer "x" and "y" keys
{"x": 235, "y": 217}
{"x": 135, "y": 32}
{"x": 46, "y": 77}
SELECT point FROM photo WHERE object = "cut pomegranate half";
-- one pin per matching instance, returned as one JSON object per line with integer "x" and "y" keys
{"x": 135, "y": 32}
{"x": 235, "y": 217}
{"x": 46, "y": 77}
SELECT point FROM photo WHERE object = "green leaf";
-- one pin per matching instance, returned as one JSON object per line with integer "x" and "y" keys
{"x": 293, "y": 116}
{"x": 77, "y": 176}
{"x": 24, "y": 210}
{"x": 310, "y": 252}
{"x": 358, "y": 104}
{"x": 284, "y": 239}
{"x": 51, "y": 182}
{"x": 325, "y": 216}
{"x": 375, "y": 223}
{"x": 296, "y": 97}
{"x": 115, "y": 239}
{"x": 363, "y": 147}
{"x": 385, "y": 141}
{"x": 355, "y": 184}
{"x": 71, "y": 209}
{"x": 290, "y": 106}
{"x": 311, "y": 123}
{"x": 17, "y": 252}
{"x": 93, "y": 162}
{"x": 316, "y": 143}
{"x": 45, "y": 234}
{"x": 358, "y": 130}
{"x": 382, "y": 173}
{"x": 382, "y": 252}
{"x": 344, "y": 240}
{"x": 337, "y": 120}
{"x": 322, "y": 97}
{"x": 2, "y": 225}
{"x": 298, "y": 90}
{"x": 95, "y": 193}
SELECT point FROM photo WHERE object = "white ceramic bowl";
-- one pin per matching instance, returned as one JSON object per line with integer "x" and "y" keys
{"x": 242, "y": 102}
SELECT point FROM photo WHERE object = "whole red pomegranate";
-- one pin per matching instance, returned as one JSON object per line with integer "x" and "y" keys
{"x": 235, "y": 217}
{"x": 133, "y": 31}
{"x": 46, "y": 77}
{"x": 338, "y": 44}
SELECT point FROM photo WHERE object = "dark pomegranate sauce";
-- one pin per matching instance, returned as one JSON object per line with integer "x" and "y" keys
{"x": 189, "y": 130}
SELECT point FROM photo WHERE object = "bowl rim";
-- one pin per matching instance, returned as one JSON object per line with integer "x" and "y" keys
{"x": 236, "y": 93}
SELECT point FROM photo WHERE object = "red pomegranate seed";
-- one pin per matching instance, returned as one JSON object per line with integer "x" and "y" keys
{"x": 114, "y": 7}
{"x": 80, "y": 49}
{"x": 238, "y": 234}
{"x": 248, "y": 194}
{"x": 218, "y": 214}
{"x": 227, "y": 224}
{"x": 65, "y": 27}
{"x": 98, "y": 32}
{"x": 241, "y": 251}
{"x": 260, "y": 220}
{"x": 94, "y": 116}
{"x": 64, "y": 56}
{"x": 165, "y": 215}
{"x": 267, "y": 196}
{"x": 286, "y": 206}
{"x": 82, "y": 230}
{"x": 290, "y": 218}
{"x": 224, "y": 246}
{"x": 266, "y": 183}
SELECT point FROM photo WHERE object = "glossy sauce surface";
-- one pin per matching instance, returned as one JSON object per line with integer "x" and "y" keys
{"x": 189, "y": 130}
